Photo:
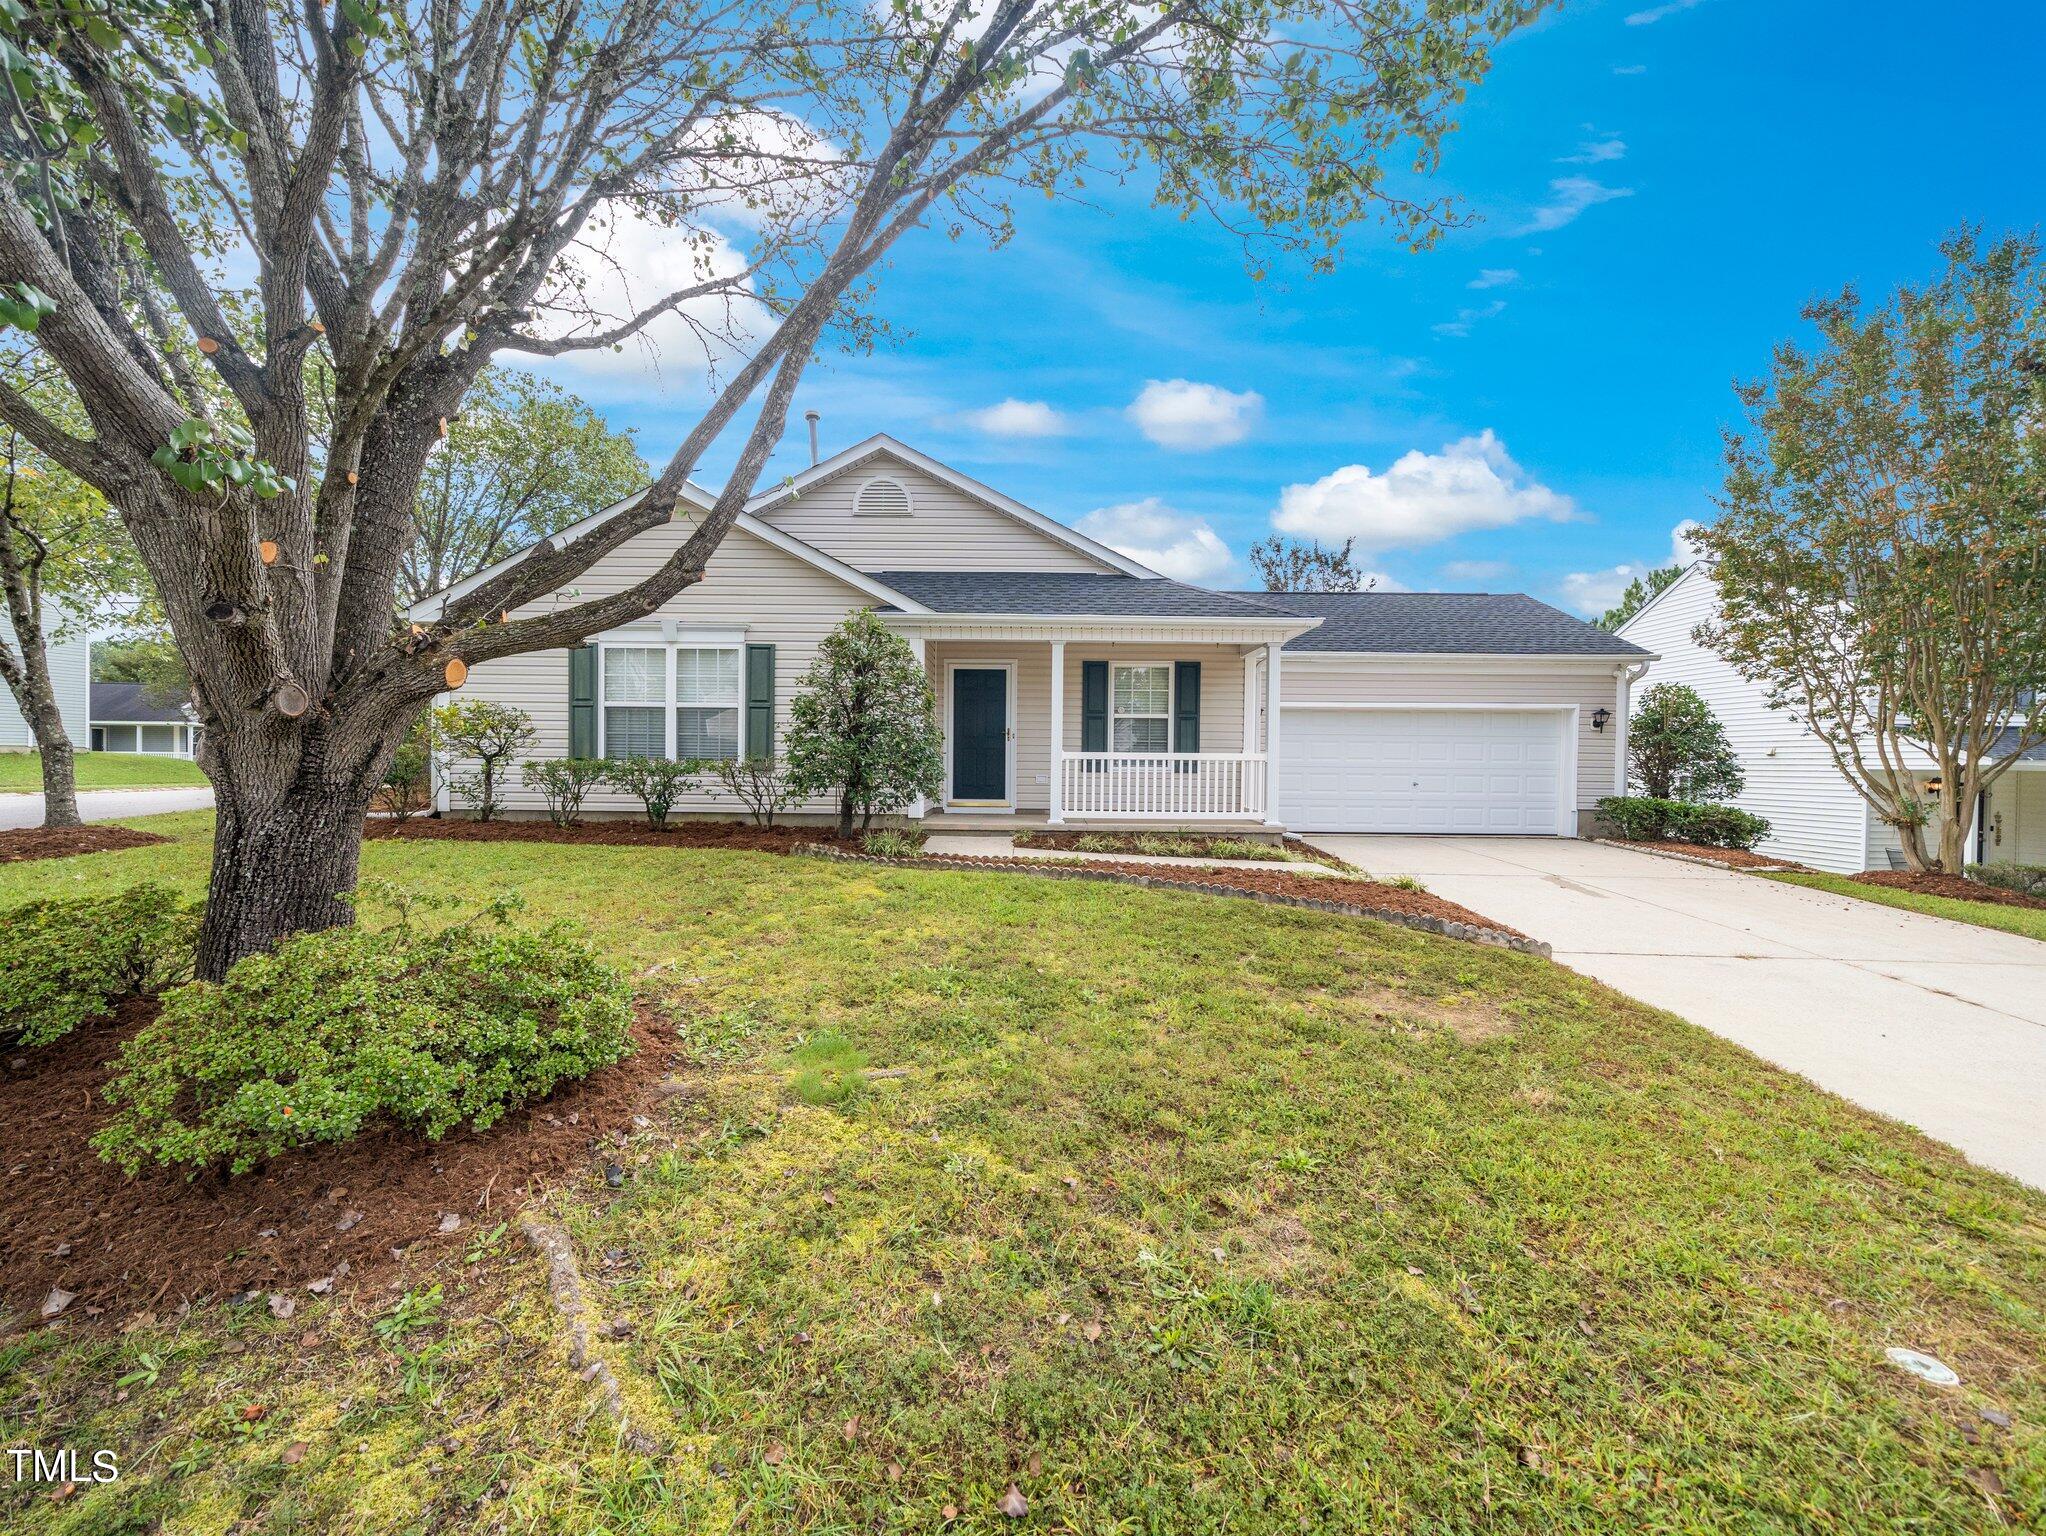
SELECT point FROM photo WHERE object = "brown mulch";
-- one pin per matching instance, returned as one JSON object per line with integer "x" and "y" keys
{"x": 25, "y": 843}
{"x": 156, "y": 1241}
{"x": 1955, "y": 887}
{"x": 737, "y": 836}
{"x": 1732, "y": 858}
{"x": 1274, "y": 882}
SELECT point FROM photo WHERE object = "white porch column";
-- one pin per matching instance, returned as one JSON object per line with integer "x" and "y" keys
{"x": 1057, "y": 816}
{"x": 1272, "y": 733}
{"x": 919, "y": 805}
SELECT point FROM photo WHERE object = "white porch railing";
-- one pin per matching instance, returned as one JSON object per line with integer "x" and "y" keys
{"x": 1222, "y": 785}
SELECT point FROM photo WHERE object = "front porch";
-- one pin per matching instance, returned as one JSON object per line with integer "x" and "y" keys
{"x": 1114, "y": 732}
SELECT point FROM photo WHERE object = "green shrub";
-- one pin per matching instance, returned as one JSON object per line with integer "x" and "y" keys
{"x": 563, "y": 782}
{"x": 888, "y": 843}
{"x": 66, "y": 962}
{"x": 656, "y": 782}
{"x": 1638, "y": 818}
{"x": 2025, "y": 879}
{"x": 335, "y": 1031}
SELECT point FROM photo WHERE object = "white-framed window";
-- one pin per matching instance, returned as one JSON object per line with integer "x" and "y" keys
{"x": 678, "y": 701}
{"x": 1140, "y": 708}
{"x": 708, "y": 702}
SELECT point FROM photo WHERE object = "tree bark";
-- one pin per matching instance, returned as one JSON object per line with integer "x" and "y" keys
{"x": 27, "y": 675}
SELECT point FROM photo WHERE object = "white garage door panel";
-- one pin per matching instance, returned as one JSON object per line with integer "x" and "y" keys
{"x": 1422, "y": 770}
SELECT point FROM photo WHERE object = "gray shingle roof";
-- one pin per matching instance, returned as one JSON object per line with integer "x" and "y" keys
{"x": 2036, "y": 753}
{"x": 1438, "y": 623}
{"x": 127, "y": 701}
{"x": 1073, "y": 593}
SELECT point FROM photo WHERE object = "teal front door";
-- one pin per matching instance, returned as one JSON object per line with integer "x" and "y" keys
{"x": 980, "y": 734}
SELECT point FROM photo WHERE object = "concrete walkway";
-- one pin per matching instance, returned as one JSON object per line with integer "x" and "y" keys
{"x": 1935, "y": 1023}
{"x": 105, "y": 805}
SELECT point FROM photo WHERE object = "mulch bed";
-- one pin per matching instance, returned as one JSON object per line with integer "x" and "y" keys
{"x": 1225, "y": 878}
{"x": 354, "y": 1211}
{"x": 1732, "y": 858}
{"x": 1956, "y": 887}
{"x": 25, "y": 843}
{"x": 736, "y": 836}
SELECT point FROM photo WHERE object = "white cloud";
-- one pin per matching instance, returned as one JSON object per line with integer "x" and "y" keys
{"x": 1630, "y": 69}
{"x": 622, "y": 264}
{"x": 1422, "y": 498}
{"x": 1017, "y": 418}
{"x": 1655, "y": 13}
{"x": 1494, "y": 277}
{"x": 1476, "y": 572}
{"x": 1591, "y": 593}
{"x": 1466, "y": 318}
{"x": 1568, "y": 197}
{"x": 1596, "y": 152}
{"x": 1170, "y": 542}
{"x": 1178, "y": 413}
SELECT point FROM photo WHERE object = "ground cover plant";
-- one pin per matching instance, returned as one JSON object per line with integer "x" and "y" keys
{"x": 22, "y": 772}
{"x": 1175, "y": 1213}
{"x": 1173, "y": 845}
{"x": 335, "y": 1031}
{"x": 67, "y": 960}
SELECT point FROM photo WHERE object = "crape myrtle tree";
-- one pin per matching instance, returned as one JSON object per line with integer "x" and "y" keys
{"x": 1881, "y": 550}
{"x": 421, "y": 187}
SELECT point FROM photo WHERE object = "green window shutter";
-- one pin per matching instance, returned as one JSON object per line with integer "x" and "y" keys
{"x": 1186, "y": 707}
{"x": 1093, "y": 706}
{"x": 760, "y": 701}
{"x": 582, "y": 701}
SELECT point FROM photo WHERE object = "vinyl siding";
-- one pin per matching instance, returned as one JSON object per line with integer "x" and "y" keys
{"x": 775, "y": 598}
{"x": 1365, "y": 681}
{"x": 2019, "y": 797}
{"x": 1815, "y": 816}
{"x": 70, "y": 676}
{"x": 946, "y": 530}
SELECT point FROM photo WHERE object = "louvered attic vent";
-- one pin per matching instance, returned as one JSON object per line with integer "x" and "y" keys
{"x": 882, "y": 497}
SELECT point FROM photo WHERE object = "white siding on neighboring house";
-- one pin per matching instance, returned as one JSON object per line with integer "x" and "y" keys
{"x": 1307, "y": 677}
{"x": 750, "y": 588}
{"x": 945, "y": 529}
{"x": 1815, "y": 816}
{"x": 71, "y": 677}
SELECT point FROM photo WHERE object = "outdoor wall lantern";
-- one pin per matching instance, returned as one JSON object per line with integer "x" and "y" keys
{"x": 1599, "y": 717}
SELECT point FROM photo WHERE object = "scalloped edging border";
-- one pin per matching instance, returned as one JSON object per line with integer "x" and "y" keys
{"x": 1442, "y": 927}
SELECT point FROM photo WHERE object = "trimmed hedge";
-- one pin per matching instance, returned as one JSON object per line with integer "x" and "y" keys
{"x": 334, "y": 1031}
{"x": 1640, "y": 819}
{"x": 66, "y": 962}
{"x": 2025, "y": 879}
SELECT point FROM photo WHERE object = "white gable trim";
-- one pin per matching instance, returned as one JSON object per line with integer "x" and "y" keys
{"x": 430, "y": 607}
{"x": 882, "y": 443}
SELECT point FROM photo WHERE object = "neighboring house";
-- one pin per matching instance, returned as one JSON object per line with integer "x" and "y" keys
{"x": 70, "y": 676}
{"x": 1076, "y": 686}
{"x": 126, "y": 719}
{"x": 1816, "y": 817}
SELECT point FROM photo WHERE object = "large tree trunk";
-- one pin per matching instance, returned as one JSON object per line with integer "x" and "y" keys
{"x": 1953, "y": 837}
{"x": 287, "y": 839}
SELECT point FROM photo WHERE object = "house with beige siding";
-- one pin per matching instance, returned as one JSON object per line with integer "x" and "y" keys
{"x": 1075, "y": 687}
{"x": 1815, "y": 815}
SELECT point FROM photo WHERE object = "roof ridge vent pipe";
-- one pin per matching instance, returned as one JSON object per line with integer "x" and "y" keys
{"x": 812, "y": 418}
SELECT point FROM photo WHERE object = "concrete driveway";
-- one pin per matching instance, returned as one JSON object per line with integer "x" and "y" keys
{"x": 1935, "y": 1023}
{"x": 105, "y": 805}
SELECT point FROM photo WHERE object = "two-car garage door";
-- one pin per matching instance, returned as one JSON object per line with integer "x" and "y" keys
{"x": 1424, "y": 770}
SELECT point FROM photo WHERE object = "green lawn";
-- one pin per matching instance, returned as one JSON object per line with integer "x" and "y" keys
{"x": 2027, "y": 921}
{"x": 1185, "y": 1214}
{"x": 22, "y": 772}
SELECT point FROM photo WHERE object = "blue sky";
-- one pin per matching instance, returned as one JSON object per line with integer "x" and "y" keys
{"x": 1533, "y": 404}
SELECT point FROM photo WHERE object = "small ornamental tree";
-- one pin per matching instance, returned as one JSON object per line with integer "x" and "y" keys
{"x": 864, "y": 724}
{"x": 486, "y": 734}
{"x": 1880, "y": 552}
{"x": 655, "y": 782}
{"x": 1677, "y": 749}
